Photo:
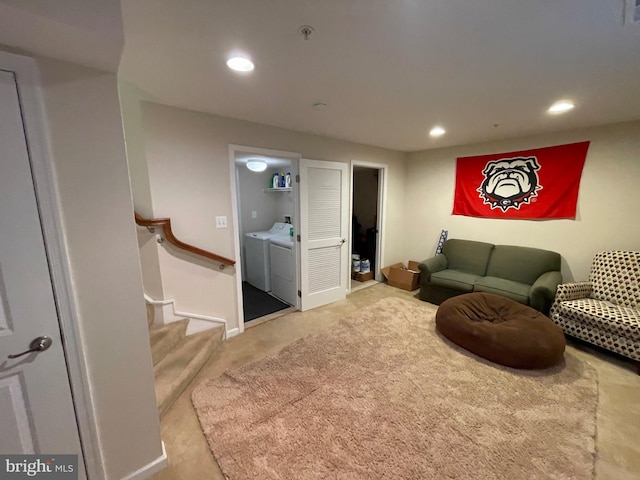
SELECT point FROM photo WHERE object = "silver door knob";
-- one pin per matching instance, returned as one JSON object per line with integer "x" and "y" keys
{"x": 39, "y": 344}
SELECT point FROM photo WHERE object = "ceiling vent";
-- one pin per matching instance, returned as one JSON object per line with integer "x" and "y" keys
{"x": 632, "y": 12}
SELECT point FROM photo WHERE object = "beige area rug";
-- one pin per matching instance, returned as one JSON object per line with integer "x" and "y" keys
{"x": 384, "y": 396}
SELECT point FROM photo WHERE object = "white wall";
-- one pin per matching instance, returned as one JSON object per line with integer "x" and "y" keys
{"x": 136, "y": 150}
{"x": 148, "y": 249}
{"x": 87, "y": 32}
{"x": 88, "y": 154}
{"x": 188, "y": 162}
{"x": 284, "y": 201}
{"x": 141, "y": 190}
{"x": 607, "y": 217}
{"x": 285, "y": 206}
{"x": 254, "y": 199}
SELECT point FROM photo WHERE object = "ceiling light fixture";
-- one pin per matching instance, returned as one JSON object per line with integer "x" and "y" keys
{"x": 561, "y": 106}
{"x": 256, "y": 165}
{"x": 437, "y": 131}
{"x": 240, "y": 64}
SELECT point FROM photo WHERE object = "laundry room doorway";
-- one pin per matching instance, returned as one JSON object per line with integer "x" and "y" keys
{"x": 368, "y": 192}
{"x": 266, "y": 220}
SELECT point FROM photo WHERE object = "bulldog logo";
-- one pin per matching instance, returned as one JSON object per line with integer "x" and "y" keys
{"x": 510, "y": 182}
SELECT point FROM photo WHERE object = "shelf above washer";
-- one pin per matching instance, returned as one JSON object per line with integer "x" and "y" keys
{"x": 282, "y": 189}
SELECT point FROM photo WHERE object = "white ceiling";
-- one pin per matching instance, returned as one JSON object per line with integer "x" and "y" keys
{"x": 389, "y": 70}
{"x": 88, "y": 32}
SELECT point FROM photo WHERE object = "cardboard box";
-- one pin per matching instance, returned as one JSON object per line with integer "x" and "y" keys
{"x": 414, "y": 266}
{"x": 363, "y": 277}
{"x": 399, "y": 276}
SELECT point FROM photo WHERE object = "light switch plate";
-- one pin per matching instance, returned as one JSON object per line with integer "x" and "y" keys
{"x": 221, "y": 222}
{"x": 254, "y": 214}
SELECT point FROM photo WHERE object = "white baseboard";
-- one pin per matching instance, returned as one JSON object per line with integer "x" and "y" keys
{"x": 233, "y": 332}
{"x": 149, "y": 469}
{"x": 165, "y": 312}
{"x": 196, "y": 325}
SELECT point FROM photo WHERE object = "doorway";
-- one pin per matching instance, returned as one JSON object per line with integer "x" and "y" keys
{"x": 368, "y": 186}
{"x": 266, "y": 220}
{"x": 39, "y": 413}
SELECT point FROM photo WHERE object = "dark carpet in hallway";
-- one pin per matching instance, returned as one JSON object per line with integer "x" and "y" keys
{"x": 258, "y": 303}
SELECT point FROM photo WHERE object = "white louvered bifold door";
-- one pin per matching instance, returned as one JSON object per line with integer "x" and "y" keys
{"x": 323, "y": 232}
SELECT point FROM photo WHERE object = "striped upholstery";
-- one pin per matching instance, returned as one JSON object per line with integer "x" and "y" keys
{"x": 605, "y": 310}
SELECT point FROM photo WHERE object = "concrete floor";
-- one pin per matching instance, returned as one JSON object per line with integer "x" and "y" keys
{"x": 618, "y": 424}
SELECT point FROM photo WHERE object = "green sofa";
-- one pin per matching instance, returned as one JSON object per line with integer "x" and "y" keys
{"x": 527, "y": 275}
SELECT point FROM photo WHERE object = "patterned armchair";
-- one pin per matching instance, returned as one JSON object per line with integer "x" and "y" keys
{"x": 605, "y": 310}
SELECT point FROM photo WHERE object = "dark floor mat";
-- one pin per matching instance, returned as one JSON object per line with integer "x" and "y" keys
{"x": 258, "y": 303}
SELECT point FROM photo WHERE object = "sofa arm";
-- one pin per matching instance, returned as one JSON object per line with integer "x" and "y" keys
{"x": 432, "y": 265}
{"x": 573, "y": 291}
{"x": 543, "y": 291}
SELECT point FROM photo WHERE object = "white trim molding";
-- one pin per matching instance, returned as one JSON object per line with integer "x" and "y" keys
{"x": 150, "y": 468}
{"x": 383, "y": 170}
{"x": 165, "y": 311}
{"x": 235, "y": 199}
{"x": 45, "y": 184}
{"x": 233, "y": 332}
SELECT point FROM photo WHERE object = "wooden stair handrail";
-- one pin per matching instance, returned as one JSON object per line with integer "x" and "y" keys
{"x": 165, "y": 223}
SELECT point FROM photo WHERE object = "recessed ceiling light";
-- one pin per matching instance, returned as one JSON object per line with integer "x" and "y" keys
{"x": 256, "y": 165}
{"x": 240, "y": 64}
{"x": 561, "y": 106}
{"x": 437, "y": 131}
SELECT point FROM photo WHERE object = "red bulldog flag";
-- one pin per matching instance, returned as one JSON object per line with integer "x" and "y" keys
{"x": 532, "y": 184}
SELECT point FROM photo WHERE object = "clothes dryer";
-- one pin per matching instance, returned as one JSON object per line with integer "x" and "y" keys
{"x": 257, "y": 255}
{"x": 283, "y": 272}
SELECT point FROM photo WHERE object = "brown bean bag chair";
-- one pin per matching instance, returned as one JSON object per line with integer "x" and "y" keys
{"x": 501, "y": 330}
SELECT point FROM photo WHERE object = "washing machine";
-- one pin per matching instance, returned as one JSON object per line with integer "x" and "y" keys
{"x": 257, "y": 255}
{"x": 283, "y": 271}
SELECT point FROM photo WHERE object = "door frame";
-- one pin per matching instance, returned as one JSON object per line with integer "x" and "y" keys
{"x": 235, "y": 202}
{"x": 383, "y": 170}
{"x": 45, "y": 187}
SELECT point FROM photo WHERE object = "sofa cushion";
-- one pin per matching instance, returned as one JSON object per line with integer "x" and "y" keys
{"x": 467, "y": 255}
{"x": 507, "y": 288}
{"x": 624, "y": 321}
{"x": 598, "y": 336}
{"x": 454, "y": 279}
{"x": 615, "y": 277}
{"x": 521, "y": 264}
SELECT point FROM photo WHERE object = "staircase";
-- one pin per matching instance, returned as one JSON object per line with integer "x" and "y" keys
{"x": 177, "y": 358}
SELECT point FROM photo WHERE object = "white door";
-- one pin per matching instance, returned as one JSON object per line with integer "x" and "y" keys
{"x": 324, "y": 250}
{"x": 36, "y": 409}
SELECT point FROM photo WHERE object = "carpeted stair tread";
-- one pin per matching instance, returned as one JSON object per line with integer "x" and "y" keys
{"x": 176, "y": 370}
{"x": 164, "y": 338}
